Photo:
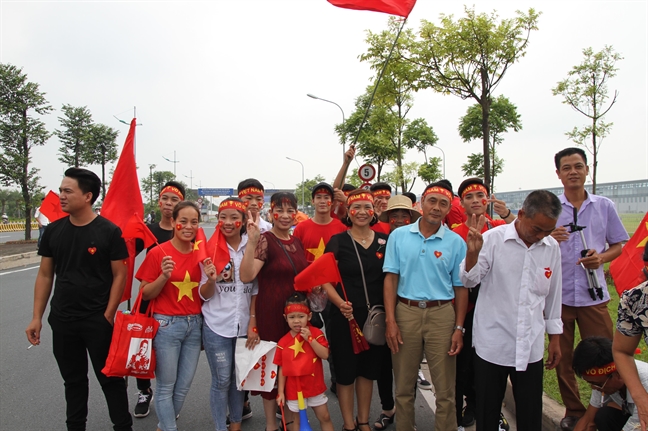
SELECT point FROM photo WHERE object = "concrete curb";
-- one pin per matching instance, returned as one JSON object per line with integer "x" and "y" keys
{"x": 552, "y": 412}
{"x": 16, "y": 260}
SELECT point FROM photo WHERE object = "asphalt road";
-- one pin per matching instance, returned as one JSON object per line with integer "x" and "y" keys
{"x": 31, "y": 388}
{"x": 15, "y": 236}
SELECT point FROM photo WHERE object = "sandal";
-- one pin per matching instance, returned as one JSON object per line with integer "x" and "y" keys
{"x": 384, "y": 421}
{"x": 358, "y": 424}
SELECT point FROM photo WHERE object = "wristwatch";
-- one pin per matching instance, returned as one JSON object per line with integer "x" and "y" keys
{"x": 461, "y": 328}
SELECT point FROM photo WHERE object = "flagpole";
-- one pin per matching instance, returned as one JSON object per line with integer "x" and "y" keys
{"x": 355, "y": 140}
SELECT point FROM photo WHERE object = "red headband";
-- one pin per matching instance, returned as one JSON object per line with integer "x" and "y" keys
{"x": 364, "y": 196}
{"x": 322, "y": 190}
{"x": 238, "y": 206}
{"x": 174, "y": 190}
{"x": 474, "y": 188}
{"x": 601, "y": 371}
{"x": 296, "y": 308}
{"x": 382, "y": 192}
{"x": 437, "y": 190}
{"x": 250, "y": 191}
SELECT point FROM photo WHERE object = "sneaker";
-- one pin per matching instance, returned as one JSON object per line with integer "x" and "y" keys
{"x": 503, "y": 423}
{"x": 460, "y": 428}
{"x": 247, "y": 411}
{"x": 468, "y": 417}
{"x": 422, "y": 383}
{"x": 143, "y": 406}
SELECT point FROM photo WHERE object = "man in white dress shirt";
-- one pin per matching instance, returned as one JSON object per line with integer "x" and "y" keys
{"x": 519, "y": 268}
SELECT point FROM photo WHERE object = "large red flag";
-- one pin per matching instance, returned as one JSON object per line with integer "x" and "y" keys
{"x": 626, "y": 270}
{"x": 200, "y": 246}
{"x": 51, "y": 207}
{"x": 322, "y": 270}
{"x": 136, "y": 228}
{"x": 217, "y": 246}
{"x": 393, "y": 7}
{"x": 124, "y": 199}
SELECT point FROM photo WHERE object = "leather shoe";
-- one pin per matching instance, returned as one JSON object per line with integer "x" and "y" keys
{"x": 568, "y": 423}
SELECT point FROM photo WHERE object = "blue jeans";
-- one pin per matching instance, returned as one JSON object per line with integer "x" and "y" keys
{"x": 177, "y": 349}
{"x": 220, "y": 355}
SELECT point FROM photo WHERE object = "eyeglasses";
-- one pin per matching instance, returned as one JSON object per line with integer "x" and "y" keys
{"x": 600, "y": 387}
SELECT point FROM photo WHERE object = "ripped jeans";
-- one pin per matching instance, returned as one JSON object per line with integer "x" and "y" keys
{"x": 223, "y": 393}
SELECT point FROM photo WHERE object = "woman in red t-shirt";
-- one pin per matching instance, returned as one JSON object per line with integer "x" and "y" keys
{"x": 170, "y": 276}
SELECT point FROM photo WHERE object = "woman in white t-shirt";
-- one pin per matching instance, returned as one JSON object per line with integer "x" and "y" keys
{"x": 228, "y": 313}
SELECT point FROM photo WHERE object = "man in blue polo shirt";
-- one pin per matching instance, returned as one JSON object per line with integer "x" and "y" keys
{"x": 422, "y": 278}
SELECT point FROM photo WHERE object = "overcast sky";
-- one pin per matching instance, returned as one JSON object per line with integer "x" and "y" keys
{"x": 224, "y": 84}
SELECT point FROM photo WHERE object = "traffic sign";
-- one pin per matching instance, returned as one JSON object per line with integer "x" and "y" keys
{"x": 215, "y": 192}
{"x": 365, "y": 186}
{"x": 366, "y": 172}
{"x": 199, "y": 201}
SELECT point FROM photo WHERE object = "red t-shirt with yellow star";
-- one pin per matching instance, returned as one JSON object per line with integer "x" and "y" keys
{"x": 298, "y": 360}
{"x": 314, "y": 237}
{"x": 179, "y": 296}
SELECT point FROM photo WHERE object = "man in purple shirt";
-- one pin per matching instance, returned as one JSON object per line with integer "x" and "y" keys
{"x": 604, "y": 234}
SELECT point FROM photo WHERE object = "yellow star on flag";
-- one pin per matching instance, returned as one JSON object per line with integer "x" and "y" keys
{"x": 196, "y": 245}
{"x": 319, "y": 251}
{"x": 642, "y": 243}
{"x": 185, "y": 287}
{"x": 298, "y": 347}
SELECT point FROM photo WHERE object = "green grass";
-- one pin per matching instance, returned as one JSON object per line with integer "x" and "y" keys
{"x": 631, "y": 221}
{"x": 550, "y": 381}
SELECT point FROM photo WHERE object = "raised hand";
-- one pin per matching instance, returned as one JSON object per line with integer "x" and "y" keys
{"x": 350, "y": 154}
{"x": 560, "y": 234}
{"x": 167, "y": 266}
{"x": 252, "y": 227}
{"x": 499, "y": 206}
{"x": 210, "y": 269}
{"x": 474, "y": 241}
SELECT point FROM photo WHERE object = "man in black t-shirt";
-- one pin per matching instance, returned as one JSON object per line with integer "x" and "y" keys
{"x": 86, "y": 253}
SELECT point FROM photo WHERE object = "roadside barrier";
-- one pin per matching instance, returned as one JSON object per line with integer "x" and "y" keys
{"x": 16, "y": 226}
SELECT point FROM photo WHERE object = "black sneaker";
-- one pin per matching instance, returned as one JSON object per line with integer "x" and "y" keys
{"x": 247, "y": 411}
{"x": 503, "y": 423}
{"x": 142, "y": 408}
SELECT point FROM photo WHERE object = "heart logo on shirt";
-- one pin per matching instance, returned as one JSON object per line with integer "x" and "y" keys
{"x": 262, "y": 382}
{"x": 379, "y": 255}
{"x": 273, "y": 374}
{"x": 548, "y": 272}
{"x": 256, "y": 366}
{"x": 92, "y": 250}
{"x": 438, "y": 254}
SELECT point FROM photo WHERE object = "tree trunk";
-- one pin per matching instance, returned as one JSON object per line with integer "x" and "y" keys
{"x": 594, "y": 156}
{"x": 24, "y": 178}
{"x": 485, "y": 103}
{"x": 103, "y": 176}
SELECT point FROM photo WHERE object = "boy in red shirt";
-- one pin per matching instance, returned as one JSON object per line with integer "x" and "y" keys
{"x": 299, "y": 357}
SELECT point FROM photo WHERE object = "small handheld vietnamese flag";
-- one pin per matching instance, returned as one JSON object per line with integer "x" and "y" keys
{"x": 626, "y": 270}
{"x": 51, "y": 207}
{"x": 200, "y": 246}
{"x": 217, "y": 247}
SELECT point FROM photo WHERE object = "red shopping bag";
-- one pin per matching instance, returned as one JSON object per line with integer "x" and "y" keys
{"x": 131, "y": 348}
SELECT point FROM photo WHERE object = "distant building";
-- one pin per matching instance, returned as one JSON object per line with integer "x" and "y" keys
{"x": 628, "y": 196}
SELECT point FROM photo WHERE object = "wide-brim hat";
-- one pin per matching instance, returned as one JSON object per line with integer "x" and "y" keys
{"x": 399, "y": 202}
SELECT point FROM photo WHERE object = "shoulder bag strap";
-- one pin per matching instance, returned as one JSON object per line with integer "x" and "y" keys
{"x": 364, "y": 283}
{"x": 285, "y": 251}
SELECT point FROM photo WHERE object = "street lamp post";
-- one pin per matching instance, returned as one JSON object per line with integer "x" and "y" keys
{"x": 442, "y": 152}
{"x": 312, "y": 96}
{"x": 302, "y": 187}
{"x": 151, "y": 167}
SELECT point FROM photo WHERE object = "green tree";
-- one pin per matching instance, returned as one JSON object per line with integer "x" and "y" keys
{"x": 503, "y": 116}
{"x": 101, "y": 149}
{"x": 586, "y": 91}
{"x": 152, "y": 184}
{"x": 430, "y": 172}
{"x": 388, "y": 133}
{"x": 405, "y": 176}
{"x": 20, "y": 131}
{"x": 475, "y": 166}
{"x": 307, "y": 187}
{"x": 470, "y": 56}
{"x": 74, "y": 134}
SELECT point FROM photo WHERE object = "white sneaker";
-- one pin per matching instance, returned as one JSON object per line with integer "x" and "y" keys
{"x": 422, "y": 383}
{"x": 461, "y": 428}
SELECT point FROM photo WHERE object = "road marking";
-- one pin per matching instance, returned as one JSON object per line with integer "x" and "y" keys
{"x": 19, "y": 270}
{"x": 430, "y": 398}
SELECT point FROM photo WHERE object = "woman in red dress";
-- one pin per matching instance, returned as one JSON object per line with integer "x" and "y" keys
{"x": 274, "y": 258}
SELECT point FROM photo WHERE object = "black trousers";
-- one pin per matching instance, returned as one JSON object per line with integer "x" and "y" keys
{"x": 72, "y": 343}
{"x": 490, "y": 386}
{"x": 610, "y": 419}
{"x": 465, "y": 379}
{"x": 386, "y": 383}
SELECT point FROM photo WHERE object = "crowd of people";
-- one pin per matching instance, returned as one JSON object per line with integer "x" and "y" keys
{"x": 440, "y": 266}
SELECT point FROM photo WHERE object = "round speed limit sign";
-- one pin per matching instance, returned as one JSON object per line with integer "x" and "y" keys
{"x": 199, "y": 201}
{"x": 365, "y": 186}
{"x": 367, "y": 172}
